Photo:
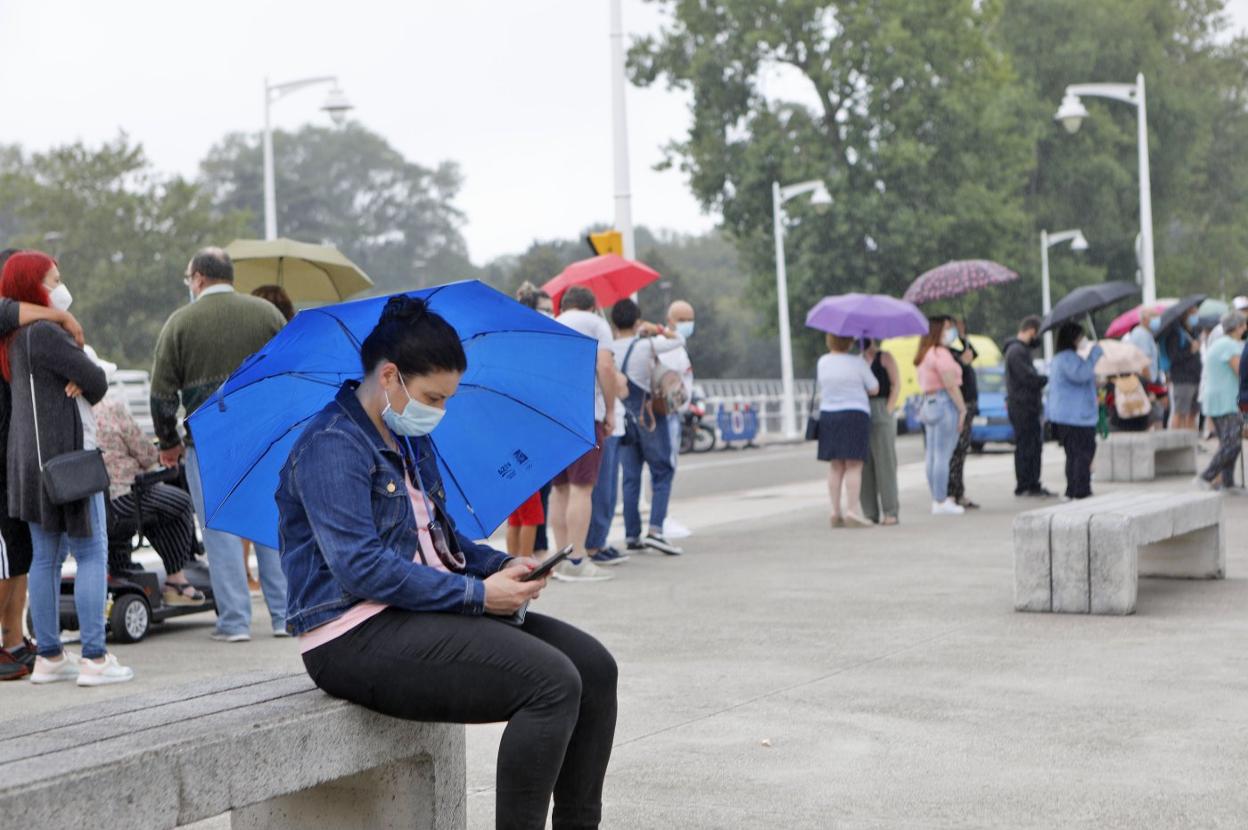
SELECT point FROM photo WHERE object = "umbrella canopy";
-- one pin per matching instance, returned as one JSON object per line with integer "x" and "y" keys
{"x": 1175, "y": 313}
{"x": 1086, "y": 300}
{"x": 1128, "y": 320}
{"x": 1121, "y": 358}
{"x": 866, "y": 315}
{"x": 1212, "y": 309}
{"x": 611, "y": 277}
{"x": 309, "y": 273}
{"x": 523, "y": 413}
{"x": 953, "y": 279}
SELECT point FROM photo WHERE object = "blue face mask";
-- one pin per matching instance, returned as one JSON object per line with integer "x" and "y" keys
{"x": 415, "y": 420}
{"x": 1192, "y": 320}
{"x": 685, "y": 329}
{"x": 1154, "y": 325}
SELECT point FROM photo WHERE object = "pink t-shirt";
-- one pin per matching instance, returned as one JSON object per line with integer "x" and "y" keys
{"x": 368, "y": 609}
{"x": 937, "y": 361}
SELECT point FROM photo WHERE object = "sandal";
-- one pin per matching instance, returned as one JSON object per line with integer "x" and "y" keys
{"x": 889, "y": 521}
{"x": 837, "y": 521}
{"x": 177, "y": 594}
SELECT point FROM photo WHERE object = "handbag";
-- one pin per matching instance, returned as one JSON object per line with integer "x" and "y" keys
{"x": 812, "y": 420}
{"x": 71, "y": 476}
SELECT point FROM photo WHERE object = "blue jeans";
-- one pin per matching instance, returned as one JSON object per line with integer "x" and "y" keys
{"x": 674, "y": 425}
{"x": 90, "y": 585}
{"x": 605, "y": 493}
{"x": 652, "y": 448}
{"x": 940, "y": 416}
{"x": 229, "y": 573}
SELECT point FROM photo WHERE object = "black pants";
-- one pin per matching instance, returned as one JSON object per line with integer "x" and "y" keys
{"x": 540, "y": 541}
{"x": 1080, "y": 446}
{"x": 168, "y": 522}
{"x": 957, "y": 489}
{"x": 1028, "y": 445}
{"x": 552, "y": 683}
{"x": 1230, "y": 429}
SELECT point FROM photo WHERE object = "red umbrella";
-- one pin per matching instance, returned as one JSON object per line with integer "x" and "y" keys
{"x": 611, "y": 277}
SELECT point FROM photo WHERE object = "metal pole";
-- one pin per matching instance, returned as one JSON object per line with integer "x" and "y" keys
{"x": 788, "y": 419}
{"x": 1146, "y": 201}
{"x": 1046, "y": 299}
{"x": 270, "y": 188}
{"x": 619, "y": 123}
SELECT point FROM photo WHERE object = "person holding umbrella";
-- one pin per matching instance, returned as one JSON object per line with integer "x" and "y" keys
{"x": 943, "y": 411}
{"x": 399, "y": 612}
{"x": 845, "y": 382}
{"x": 1073, "y": 407}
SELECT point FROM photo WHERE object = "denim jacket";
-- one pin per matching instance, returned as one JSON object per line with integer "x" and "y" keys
{"x": 348, "y": 531}
{"x": 1072, "y": 388}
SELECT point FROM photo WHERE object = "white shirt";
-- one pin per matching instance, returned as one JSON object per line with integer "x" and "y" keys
{"x": 593, "y": 326}
{"x": 641, "y": 363}
{"x": 845, "y": 380}
{"x": 678, "y": 361}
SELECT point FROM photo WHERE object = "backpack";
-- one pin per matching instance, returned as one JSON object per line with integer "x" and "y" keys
{"x": 667, "y": 389}
{"x": 1130, "y": 399}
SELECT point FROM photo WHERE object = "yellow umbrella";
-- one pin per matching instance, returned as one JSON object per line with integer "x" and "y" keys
{"x": 309, "y": 273}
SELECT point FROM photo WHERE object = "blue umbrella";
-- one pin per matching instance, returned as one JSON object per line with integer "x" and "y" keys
{"x": 523, "y": 413}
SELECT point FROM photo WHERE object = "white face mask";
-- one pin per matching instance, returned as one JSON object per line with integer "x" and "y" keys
{"x": 950, "y": 336}
{"x": 60, "y": 298}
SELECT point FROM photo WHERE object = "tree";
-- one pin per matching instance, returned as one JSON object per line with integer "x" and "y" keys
{"x": 121, "y": 233}
{"x": 915, "y": 129}
{"x": 1197, "y": 89}
{"x": 348, "y": 187}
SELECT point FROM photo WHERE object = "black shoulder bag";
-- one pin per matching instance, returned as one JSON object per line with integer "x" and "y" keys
{"x": 72, "y": 476}
{"x": 812, "y": 419}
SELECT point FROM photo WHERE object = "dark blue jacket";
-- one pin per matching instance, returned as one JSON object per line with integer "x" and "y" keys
{"x": 348, "y": 531}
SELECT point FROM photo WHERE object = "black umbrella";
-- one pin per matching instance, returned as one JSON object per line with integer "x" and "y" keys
{"x": 1177, "y": 312}
{"x": 1087, "y": 299}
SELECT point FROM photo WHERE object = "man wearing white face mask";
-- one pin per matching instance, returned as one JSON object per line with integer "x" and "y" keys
{"x": 199, "y": 347}
{"x": 680, "y": 319}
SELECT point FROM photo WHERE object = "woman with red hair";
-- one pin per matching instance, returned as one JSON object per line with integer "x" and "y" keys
{"x": 53, "y": 385}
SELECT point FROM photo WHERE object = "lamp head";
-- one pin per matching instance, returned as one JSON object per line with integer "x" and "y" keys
{"x": 1071, "y": 113}
{"x": 337, "y": 105}
{"x": 820, "y": 197}
{"x": 1079, "y": 243}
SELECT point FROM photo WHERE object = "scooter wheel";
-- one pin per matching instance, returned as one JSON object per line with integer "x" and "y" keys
{"x": 130, "y": 619}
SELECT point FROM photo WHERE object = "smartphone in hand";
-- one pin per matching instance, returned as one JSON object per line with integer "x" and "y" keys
{"x": 544, "y": 569}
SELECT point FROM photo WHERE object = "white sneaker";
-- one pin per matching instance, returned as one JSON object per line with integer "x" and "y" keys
{"x": 110, "y": 671}
{"x": 222, "y": 637}
{"x": 1200, "y": 483}
{"x": 582, "y": 571}
{"x": 53, "y": 671}
{"x": 948, "y": 507}
{"x": 673, "y": 529}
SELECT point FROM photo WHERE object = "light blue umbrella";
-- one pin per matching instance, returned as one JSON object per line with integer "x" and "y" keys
{"x": 523, "y": 413}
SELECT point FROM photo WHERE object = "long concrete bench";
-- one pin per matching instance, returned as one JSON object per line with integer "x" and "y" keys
{"x": 272, "y": 748}
{"x": 1087, "y": 556}
{"x": 1142, "y": 456}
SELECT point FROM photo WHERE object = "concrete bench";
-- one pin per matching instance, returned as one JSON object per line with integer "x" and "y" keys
{"x": 272, "y": 748}
{"x": 1087, "y": 556}
{"x": 1142, "y": 456}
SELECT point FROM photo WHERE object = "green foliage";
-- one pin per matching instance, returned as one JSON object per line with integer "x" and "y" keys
{"x": 348, "y": 187}
{"x": 121, "y": 233}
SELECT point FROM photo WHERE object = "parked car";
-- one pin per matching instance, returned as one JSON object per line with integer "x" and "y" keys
{"x": 991, "y": 425}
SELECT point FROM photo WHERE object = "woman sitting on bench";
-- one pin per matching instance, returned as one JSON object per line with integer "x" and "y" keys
{"x": 168, "y": 516}
{"x": 397, "y": 611}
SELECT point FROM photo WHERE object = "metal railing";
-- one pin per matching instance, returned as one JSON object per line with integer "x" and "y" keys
{"x": 764, "y": 396}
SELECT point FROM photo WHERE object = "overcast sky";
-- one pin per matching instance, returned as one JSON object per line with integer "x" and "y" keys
{"x": 516, "y": 91}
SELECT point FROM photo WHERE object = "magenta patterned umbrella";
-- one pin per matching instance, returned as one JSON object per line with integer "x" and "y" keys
{"x": 953, "y": 279}
{"x": 866, "y": 315}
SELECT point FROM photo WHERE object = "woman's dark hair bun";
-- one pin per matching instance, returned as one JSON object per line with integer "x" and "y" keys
{"x": 417, "y": 339}
{"x": 404, "y": 309}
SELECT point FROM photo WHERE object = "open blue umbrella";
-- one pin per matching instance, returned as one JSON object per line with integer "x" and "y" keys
{"x": 523, "y": 413}
{"x": 866, "y": 315}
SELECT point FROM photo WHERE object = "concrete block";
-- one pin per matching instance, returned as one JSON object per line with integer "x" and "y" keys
{"x": 1198, "y": 554}
{"x": 1143, "y": 459}
{"x": 1033, "y": 585}
{"x": 1113, "y": 578}
{"x": 1069, "y": 539}
{"x": 1177, "y": 461}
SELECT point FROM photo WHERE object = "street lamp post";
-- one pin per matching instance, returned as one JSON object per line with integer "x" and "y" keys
{"x": 336, "y": 105}
{"x": 780, "y": 195}
{"x": 1071, "y": 114}
{"x": 1077, "y": 243}
{"x": 619, "y": 134}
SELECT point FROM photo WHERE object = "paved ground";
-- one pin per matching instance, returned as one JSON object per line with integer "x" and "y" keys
{"x": 784, "y": 674}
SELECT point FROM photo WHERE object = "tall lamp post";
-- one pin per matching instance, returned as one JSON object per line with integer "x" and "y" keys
{"x": 336, "y": 104}
{"x": 780, "y": 195}
{"x": 1071, "y": 114}
{"x": 619, "y": 134}
{"x": 1077, "y": 243}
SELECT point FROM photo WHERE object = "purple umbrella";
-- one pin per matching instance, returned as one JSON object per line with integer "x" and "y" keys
{"x": 866, "y": 315}
{"x": 953, "y": 279}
